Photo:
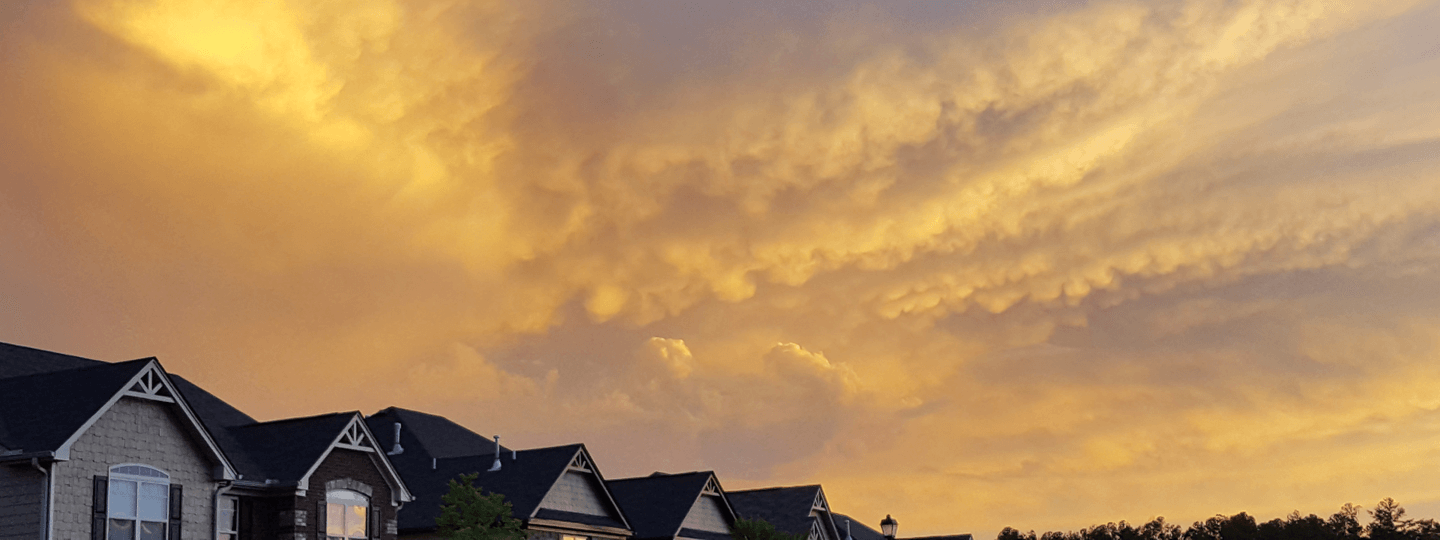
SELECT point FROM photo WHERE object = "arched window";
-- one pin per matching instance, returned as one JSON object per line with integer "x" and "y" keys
{"x": 138, "y": 503}
{"x": 346, "y": 514}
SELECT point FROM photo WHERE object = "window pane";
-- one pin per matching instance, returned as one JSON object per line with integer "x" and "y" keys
{"x": 355, "y": 522}
{"x": 152, "y": 531}
{"x": 154, "y": 502}
{"x": 122, "y": 529}
{"x": 335, "y": 519}
{"x": 122, "y": 499}
{"x": 229, "y": 514}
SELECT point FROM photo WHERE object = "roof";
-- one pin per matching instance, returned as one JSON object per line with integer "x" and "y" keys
{"x": 658, "y": 504}
{"x": 426, "y": 436}
{"x": 285, "y": 450}
{"x": 858, "y": 529}
{"x": 787, "y": 508}
{"x": 19, "y": 361}
{"x": 525, "y": 477}
{"x": 39, "y": 412}
{"x": 965, "y": 536}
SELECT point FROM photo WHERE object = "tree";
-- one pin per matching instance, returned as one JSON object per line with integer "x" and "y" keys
{"x": 759, "y": 529}
{"x": 1387, "y": 521}
{"x": 468, "y": 513}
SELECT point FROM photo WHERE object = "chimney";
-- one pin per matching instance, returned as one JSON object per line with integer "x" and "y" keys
{"x": 396, "y": 450}
{"x": 496, "y": 466}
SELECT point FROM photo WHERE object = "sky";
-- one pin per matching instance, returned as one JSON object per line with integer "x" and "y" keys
{"x": 974, "y": 265}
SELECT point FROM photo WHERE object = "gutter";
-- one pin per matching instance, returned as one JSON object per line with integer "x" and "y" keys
{"x": 47, "y": 490}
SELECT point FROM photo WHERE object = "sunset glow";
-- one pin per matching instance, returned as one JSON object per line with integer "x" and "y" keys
{"x": 976, "y": 265}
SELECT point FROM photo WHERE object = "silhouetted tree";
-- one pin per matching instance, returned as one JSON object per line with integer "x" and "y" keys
{"x": 759, "y": 529}
{"x": 468, "y": 513}
{"x": 1387, "y": 522}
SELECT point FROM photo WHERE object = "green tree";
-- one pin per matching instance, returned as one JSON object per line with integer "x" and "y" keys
{"x": 759, "y": 529}
{"x": 468, "y": 513}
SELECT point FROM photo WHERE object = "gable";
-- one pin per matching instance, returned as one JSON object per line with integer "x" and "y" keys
{"x": 578, "y": 492}
{"x": 356, "y": 437}
{"x": 707, "y": 515}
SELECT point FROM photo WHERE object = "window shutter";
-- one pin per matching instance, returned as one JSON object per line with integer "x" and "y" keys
{"x": 177, "y": 503}
{"x": 374, "y": 522}
{"x": 320, "y": 520}
{"x": 98, "y": 501}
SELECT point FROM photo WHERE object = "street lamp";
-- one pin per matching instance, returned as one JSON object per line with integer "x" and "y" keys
{"x": 888, "y": 526}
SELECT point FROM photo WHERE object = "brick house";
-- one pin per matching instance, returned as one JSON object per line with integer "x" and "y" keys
{"x": 126, "y": 451}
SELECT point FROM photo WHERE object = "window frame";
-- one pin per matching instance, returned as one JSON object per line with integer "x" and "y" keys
{"x": 232, "y": 529}
{"x": 346, "y": 499}
{"x": 118, "y": 474}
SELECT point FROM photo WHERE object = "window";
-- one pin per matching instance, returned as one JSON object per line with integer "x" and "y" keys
{"x": 345, "y": 514}
{"x": 572, "y": 537}
{"x": 228, "y": 522}
{"x": 138, "y": 504}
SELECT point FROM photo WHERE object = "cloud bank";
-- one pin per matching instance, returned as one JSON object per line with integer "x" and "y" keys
{"x": 1035, "y": 265}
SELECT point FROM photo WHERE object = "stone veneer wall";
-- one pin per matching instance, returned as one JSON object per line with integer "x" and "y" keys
{"x": 22, "y": 494}
{"x": 576, "y": 492}
{"x": 343, "y": 469}
{"x": 707, "y": 515}
{"x": 135, "y": 431}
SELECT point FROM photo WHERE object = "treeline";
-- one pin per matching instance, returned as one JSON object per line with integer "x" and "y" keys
{"x": 1387, "y": 522}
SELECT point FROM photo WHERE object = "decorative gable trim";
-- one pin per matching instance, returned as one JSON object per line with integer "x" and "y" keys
{"x": 153, "y": 384}
{"x": 816, "y": 533}
{"x": 712, "y": 487}
{"x": 821, "y": 510}
{"x": 356, "y": 436}
{"x": 581, "y": 462}
{"x": 820, "y": 504}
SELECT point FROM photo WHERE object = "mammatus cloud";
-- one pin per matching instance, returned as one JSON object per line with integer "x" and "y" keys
{"x": 1091, "y": 263}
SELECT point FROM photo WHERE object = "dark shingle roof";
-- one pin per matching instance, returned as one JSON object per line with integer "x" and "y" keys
{"x": 18, "y": 361}
{"x": 284, "y": 450}
{"x": 424, "y": 436}
{"x": 40, "y": 411}
{"x": 657, "y": 504}
{"x": 523, "y": 479}
{"x": 858, "y": 530}
{"x": 965, "y": 536}
{"x": 787, "y": 508}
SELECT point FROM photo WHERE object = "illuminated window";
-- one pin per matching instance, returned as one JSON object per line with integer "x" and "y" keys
{"x": 345, "y": 514}
{"x": 571, "y": 537}
{"x": 137, "y": 503}
{"x": 228, "y": 523}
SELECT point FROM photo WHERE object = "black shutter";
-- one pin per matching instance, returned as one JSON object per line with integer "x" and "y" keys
{"x": 374, "y": 522}
{"x": 98, "y": 501}
{"x": 177, "y": 503}
{"x": 320, "y": 520}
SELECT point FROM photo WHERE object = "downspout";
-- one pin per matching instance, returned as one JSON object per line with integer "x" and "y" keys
{"x": 49, "y": 488}
{"x": 221, "y": 488}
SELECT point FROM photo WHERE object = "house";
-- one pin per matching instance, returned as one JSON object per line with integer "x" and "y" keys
{"x": 795, "y": 510}
{"x": 557, "y": 493}
{"x": 685, "y": 506}
{"x": 850, "y": 529}
{"x": 90, "y": 449}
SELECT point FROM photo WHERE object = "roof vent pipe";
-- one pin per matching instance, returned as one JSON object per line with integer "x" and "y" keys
{"x": 496, "y": 465}
{"x": 397, "y": 449}
{"x": 432, "y": 463}
{"x": 847, "y": 530}
{"x": 514, "y": 455}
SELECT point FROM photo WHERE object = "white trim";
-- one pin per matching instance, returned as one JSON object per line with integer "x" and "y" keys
{"x": 357, "y": 436}
{"x": 156, "y": 380}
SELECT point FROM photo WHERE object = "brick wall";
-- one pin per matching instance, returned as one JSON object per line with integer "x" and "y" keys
{"x": 346, "y": 469}
{"x": 22, "y": 492}
{"x": 134, "y": 431}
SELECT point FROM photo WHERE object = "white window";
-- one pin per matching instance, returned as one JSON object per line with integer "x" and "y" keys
{"x": 138, "y": 503}
{"x": 345, "y": 514}
{"x": 228, "y": 522}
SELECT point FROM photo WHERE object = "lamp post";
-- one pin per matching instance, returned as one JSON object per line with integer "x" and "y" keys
{"x": 888, "y": 526}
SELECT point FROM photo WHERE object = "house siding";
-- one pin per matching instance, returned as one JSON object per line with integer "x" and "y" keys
{"x": 22, "y": 496}
{"x": 576, "y": 492}
{"x": 707, "y": 515}
{"x": 135, "y": 431}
